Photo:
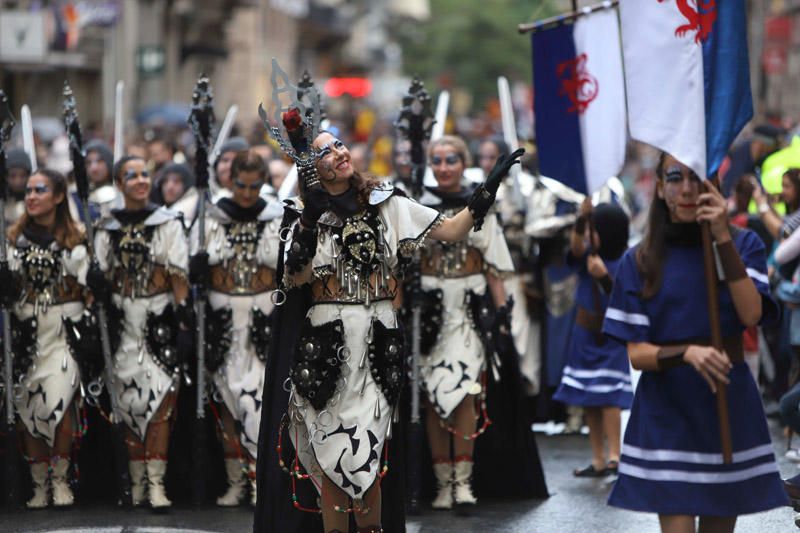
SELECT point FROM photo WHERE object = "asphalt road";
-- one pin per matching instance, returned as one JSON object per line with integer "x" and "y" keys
{"x": 576, "y": 505}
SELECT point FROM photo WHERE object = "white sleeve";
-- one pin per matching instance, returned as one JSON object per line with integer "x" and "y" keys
{"x": 102, "y": 249}
{"x": 170, "y": 247}
{"x": 76, "y": 262}
{"x": 789, "y": 248}
{"x": 492, "y": 244}
{"x": 408, "y": 223}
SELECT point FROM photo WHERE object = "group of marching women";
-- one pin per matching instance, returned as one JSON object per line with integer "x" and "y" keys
{"x": 307, "y": 352}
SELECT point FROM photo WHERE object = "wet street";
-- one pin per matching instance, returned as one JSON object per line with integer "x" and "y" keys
{"x": 576, "y": 505}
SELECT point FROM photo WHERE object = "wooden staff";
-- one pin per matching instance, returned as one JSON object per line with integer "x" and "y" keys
{"x": 712, "y": 296}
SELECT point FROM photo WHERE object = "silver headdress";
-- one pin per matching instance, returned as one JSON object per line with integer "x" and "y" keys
{"x": 295, "y": 125}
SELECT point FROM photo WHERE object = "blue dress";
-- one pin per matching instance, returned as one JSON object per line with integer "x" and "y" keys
{"x": 597, "y": 372}
{"x": 671, "y": 455}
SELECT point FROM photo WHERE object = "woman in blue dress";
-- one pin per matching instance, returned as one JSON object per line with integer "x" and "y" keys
{"x": 672, "y": 461}
{"x": 597, "y": 376}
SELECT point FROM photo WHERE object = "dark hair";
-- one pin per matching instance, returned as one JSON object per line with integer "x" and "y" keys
{"x": 499, "y": 143}
{"x": 65, "y": 231}
{"x": 613, "y": 228}
{"x": 248, "y": 161}
{"x": 651, "y": 252}
{"x": 119, "y": 166}
{"x": 794, "y": 175}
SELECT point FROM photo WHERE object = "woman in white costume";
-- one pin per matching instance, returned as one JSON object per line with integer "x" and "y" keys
{"x": 238, "y": 265}
{"x": 350, "y": 244}
{"x": 45, "y": 278}
{"x": 456, "y": 339}
{"x": 141, "y": 271}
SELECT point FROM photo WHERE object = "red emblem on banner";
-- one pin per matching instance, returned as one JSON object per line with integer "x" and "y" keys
{"x": 700, "y": 15}
{"x": 577, "y": 83}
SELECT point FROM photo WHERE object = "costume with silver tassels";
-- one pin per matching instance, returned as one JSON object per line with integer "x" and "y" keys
{"x": 51, "y": 283}
{"x": 242, "y": 245}
{"x": 452, "y": 275}
{"x": 140, "y": 251}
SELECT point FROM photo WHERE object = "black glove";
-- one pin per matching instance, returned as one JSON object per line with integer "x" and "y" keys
{"x": 98, "y": 283}
{"x": 501, "y": 169}
{"x": 504, "y": 341}
{"x": 316, "y": 201}
{"x": 199, "y": 271}
{"x": 483, "y": 198}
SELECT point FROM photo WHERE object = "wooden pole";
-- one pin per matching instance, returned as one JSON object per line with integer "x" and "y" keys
{"x": 712, "y": 293}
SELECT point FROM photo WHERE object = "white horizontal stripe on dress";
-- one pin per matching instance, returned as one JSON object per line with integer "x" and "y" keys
{"x": 681, "y": 456}
{"x": 756, "y": 275}
{"x": 566, "y": 380}
{"x": 697, "y": 477}
{"x": 619, "y": 315}
{"x": 598, "y": 373}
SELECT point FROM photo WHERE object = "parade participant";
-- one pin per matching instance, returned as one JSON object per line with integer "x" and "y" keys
{"x": 790, "y": 194}
{"x": 104, "y": 196}
{"x": 239, "y": 269}
{"x": 45, "y": 281}
{"x": 174, "y": 188}
{"x": 278, "y": 169}
{"x": 671, "y": 461}
{"x": 222, "y": 165}
{"x": 349, "y": 244}
{"x": 143, "y": 254}
{"x": 455, "y": 276}
{"x": 19, "y": 168}
{"x": 401, "y": 162}
{"x": 596, "y": 376}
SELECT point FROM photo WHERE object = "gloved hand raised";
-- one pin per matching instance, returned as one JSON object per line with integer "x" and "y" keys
{"x": 316, "y": 201}
{"x": 501, "y": 169}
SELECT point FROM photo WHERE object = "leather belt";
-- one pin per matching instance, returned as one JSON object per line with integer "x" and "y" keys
{"x": 733, "y": 346}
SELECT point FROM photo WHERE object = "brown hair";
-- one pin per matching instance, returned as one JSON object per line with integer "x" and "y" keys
{"x": 794, "y": 176}
{"x": 650, "y": 253}
{"x": 248, "y": 161}
{"x": 65, "y": 231}
{"x": 457, "y": 143}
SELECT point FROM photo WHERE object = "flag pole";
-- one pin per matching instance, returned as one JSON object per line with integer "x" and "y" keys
{"x": 712, "y": 295}
{"x": 531, "y": 27}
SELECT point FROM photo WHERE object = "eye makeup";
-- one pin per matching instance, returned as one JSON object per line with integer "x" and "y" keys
{"x": 38, "y": 189}
{"x": 325, "y": 149}
{"x": 241, "y": 185}
{"x": 675, "y": 175}
{"x": 132, "y": 174}
{"x": 450, "y": 159}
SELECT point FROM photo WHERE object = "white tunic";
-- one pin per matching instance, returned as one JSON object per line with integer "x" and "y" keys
{"x": 140, "y": 384}
{"x": 345, "y": 439}
{"x": 454, "y": 366}
{"x": 240, "y": 379}
{"x": 53, "y": 377}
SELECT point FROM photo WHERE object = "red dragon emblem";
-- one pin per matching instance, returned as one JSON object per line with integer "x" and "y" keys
{"x": 577, "y": 83}
{"x": 700, "y": 15}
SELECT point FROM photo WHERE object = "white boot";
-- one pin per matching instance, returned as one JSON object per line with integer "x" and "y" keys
{"x": 236, "y": 484}
{"x": 156, "y": 468}
{"x": 39, "y": 473}
{"x": 444, "y": 485}
{"x": 62, "y": 494}
{"x": 251, "y": 476}
{"x": 463, "y": 478}
{"x": 138, "y": 482}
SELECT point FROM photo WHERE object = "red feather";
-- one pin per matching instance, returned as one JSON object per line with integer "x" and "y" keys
{"x": 292, "y": 119}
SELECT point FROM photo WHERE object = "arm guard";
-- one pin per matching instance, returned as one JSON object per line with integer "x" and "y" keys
{"x": 479, "y": 204}
{"x": 302, "y": 250}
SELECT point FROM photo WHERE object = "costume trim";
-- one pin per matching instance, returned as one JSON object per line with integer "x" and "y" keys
{"x": 407, "y": 247}
{"x": 698, "y": 477}
{"x": 681, "y": 456}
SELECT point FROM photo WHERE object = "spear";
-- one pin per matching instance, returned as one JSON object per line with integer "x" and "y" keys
{"x": 12, "y": 450}
{"x": 77, "y": 153}
{"x": 201, "y": 121}
{"x": 415, "y": 124}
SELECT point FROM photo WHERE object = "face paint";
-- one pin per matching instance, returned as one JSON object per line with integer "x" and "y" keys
{"x": 38, "y": 189}
{"x": 325, "y": 149}
{"x": 253, "y": 187}
{"x": 451, "y": 159}
{"x": 132, "y": 174}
